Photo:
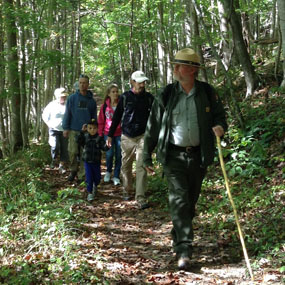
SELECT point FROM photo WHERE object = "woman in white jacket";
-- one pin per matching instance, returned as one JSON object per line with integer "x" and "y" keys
{"x": 52, "y": 115}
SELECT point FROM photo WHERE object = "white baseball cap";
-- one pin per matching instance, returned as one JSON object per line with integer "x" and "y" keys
{"x": 60, "y": 92}
{"x": 139, "y": 77}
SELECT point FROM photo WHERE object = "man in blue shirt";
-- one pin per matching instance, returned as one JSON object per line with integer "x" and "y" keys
{"x": 80, "y": 109}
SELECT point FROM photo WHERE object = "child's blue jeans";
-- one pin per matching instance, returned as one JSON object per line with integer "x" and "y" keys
{"x": 93, "y": 175}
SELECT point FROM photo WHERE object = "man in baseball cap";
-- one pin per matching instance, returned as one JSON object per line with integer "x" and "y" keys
{"x": 139, "y": 77}
{"x": 132, "y": 113}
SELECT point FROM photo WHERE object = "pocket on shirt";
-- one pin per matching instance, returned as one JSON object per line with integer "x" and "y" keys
{"x": 175, "y": 117}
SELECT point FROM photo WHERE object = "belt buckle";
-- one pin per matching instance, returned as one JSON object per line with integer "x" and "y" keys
{"x": 188, "y": 149}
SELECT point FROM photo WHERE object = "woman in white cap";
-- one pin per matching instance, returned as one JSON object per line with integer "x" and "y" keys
{"x": 52, "y": 115}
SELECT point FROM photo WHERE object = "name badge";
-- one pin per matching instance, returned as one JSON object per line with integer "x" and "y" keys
{"x": 207, "y": 109}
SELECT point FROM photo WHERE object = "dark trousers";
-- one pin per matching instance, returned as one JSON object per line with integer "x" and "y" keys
{"x": 59, "y": 145}
{"x": 93, "y": 175}
{"x": 184, "y": 176}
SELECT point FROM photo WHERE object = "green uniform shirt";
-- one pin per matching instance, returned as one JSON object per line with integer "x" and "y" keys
{"x": 184, "y": 129}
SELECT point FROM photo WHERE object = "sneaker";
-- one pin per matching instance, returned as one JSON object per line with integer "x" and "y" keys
{"x": 71, "y": 176}
{"x": 90, "y": 197}
{"x": 116, "y": 181}
{"x": 107, "y": 177}
{"x": 61, "y": 169}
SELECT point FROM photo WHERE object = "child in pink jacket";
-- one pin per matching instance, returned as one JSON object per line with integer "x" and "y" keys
{"x": 104, "y": 122}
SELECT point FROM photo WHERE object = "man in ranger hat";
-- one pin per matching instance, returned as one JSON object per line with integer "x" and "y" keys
{"x": 133, "y": 110}
{"x": 184, "y": 119}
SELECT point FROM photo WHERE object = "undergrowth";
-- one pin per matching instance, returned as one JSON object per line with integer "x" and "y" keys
{"x": 38, "y": 228}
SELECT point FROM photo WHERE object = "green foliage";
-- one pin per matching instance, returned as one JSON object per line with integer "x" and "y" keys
{"x": 158, "y": 187}
{"x": 42, "y": 222}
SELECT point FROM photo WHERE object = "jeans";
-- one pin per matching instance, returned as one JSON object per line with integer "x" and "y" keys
{"x": 115, "y": 149}
{"x": 93, "y": 175}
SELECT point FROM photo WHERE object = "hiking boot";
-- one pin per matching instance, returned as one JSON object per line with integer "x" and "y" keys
{"x": 71, "y": 176}
{"x": 142, "y": 204}
{"x": 107, "y": 177}
{"x": 126, "y": 196}
{"x": 116, "y": 181}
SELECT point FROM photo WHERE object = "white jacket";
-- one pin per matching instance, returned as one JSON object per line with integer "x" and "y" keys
{"x": 53, "y": 114}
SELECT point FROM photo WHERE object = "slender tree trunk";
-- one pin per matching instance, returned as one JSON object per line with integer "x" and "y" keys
{"x": 153, "y": 72}
{"x": 3, "y": 133}
{"x": 161, "y": 47}
{"x": 229, "y": 88}
{"x": 226, "y": 48}
{"x": 13, "y": 76}
{"x": 195, "y": 35}
{"x": 23, "y": 80}
{"x": 273, "y": 30}
{"x": 281, "y": 12}
{"x": 240, "y": 47}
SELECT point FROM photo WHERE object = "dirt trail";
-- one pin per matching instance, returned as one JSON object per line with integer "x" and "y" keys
{"x": 134, "y": 246}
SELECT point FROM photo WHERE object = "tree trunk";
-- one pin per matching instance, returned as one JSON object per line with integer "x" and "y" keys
{"x": 23, "y": 92}
{"x": 195, "y": 35}
{"x": 229, "y": 88}
{"x": 281, "y": 11}
{"x": 240, "y": 47}
{"x": 3, "y": 133}
{"x": 273, "y": 30}
{"x": 226, "y": 48}
{"x": 13, "y": 77}
{"x": 153, "y": 72}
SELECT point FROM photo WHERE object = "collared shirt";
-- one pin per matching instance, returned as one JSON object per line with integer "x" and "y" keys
{"x": 184, "y": 123}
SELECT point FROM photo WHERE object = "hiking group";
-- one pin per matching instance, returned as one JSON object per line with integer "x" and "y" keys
{"x": 179, "y": 123}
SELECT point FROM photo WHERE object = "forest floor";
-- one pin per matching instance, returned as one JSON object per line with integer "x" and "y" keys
{"x": 126, "y": 245}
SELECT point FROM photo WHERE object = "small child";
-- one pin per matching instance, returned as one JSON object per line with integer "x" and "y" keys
{"x": 92, "y": 145}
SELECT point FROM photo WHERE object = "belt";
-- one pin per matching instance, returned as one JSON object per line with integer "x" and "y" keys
{"x": 187, "y": 149}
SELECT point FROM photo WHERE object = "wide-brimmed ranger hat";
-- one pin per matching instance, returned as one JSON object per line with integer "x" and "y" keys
{"x": 187, "y": 56}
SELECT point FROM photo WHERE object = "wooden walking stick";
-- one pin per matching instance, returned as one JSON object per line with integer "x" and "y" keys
{"x": 234, "y": 208}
